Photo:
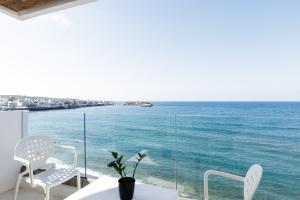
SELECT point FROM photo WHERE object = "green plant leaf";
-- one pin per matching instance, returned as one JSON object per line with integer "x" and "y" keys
{"x": 111, "y": 164}
{"x": 119, "y": 160}
{"x": 143, "y": 156}
{"x": 114, "y": 154}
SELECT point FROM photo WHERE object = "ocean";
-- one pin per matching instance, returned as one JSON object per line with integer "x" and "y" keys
{"x": 183, "y": 139}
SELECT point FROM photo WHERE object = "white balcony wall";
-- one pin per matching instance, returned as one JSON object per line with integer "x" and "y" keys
{"x": 13, "y": 125}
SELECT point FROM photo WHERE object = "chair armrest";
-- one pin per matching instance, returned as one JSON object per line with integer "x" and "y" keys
{"x": 22, "y": 160}
{"x": 218, "y": 173}
{"x": 28, "y": 168}
{"x": 73, "y": 149}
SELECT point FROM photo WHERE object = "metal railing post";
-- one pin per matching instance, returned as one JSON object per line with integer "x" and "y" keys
{"x": 84, "y": 142}
{"x": 176, "y": 150}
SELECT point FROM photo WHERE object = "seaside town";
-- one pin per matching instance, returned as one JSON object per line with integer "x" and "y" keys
{"x": 16, "y": 102}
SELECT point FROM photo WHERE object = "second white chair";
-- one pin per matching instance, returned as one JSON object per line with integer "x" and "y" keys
{"x": 251, "y": 180}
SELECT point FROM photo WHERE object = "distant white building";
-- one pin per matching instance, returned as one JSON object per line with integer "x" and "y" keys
{"x": 3, "y": 101}
{"x": 27, "y": 101}
{"x": 14, "y": 104}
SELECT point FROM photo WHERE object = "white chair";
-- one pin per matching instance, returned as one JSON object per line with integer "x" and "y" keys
{"x": 33, "y": 152}
{"x": 251, "y": 180}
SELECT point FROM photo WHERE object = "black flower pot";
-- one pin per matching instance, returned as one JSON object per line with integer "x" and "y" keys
{"x": 126, "y": 188}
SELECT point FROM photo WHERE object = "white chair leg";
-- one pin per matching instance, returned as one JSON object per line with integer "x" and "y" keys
{"x": 17, "y": 187}
{"x": 206, "y": 186}
{"x": 47, "y": 194}
{"x": 78, "y": 181}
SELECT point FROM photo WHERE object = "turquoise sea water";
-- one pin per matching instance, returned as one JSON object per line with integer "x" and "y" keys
{"x": 186, "y": 138}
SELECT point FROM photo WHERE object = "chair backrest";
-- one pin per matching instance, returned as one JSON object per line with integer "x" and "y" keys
{"x": 36, "y": 149}
{"x": 252, "y": 181}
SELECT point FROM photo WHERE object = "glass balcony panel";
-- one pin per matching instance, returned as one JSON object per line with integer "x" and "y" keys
{"x": 233, "y": 144}
{"x": 129, "y": 134}
{"x": 65, "y": 127}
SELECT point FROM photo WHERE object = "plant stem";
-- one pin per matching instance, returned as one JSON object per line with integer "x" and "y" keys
{"x": 136, "y": 165}
{"x": 124, "y": 174}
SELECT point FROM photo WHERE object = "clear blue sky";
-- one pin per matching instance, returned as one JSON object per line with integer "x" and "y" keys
{"x": 156, "y": 50}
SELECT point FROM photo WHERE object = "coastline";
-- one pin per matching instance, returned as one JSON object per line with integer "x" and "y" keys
{"x": 36, "y": 109}
{"x": 31, "y": 103}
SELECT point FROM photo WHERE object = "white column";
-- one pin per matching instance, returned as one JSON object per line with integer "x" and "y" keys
{"x": 13, "y": 125}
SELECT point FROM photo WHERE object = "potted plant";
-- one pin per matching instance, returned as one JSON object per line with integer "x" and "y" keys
{"x": 126, "y": 183}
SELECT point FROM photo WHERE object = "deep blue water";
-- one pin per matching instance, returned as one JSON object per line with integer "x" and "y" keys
{"x": 186, "y": 138}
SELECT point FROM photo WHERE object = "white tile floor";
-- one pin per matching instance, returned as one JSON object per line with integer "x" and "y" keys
{"x": 27, "y": 193}
{"x": 24, "y": 194}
